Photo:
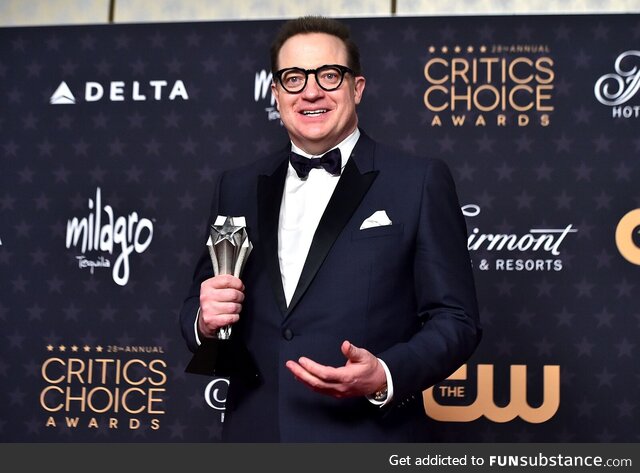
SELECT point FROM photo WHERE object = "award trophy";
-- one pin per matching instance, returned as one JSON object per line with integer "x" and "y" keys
{"x": 226, "y": 356}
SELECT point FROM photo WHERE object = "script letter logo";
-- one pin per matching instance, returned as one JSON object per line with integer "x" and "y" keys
{"x": 619, "y": 87}
{"x": 102, "y": 231}
{"x": 262, "y": 86}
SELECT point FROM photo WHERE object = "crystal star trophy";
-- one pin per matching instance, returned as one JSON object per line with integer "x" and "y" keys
{"x": 226, "y": 356}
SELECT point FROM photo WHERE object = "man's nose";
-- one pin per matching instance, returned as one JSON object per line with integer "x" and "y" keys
{"x": 312, "y": 88}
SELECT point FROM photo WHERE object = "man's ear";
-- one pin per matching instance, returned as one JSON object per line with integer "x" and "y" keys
{"x": 358, "y": 86}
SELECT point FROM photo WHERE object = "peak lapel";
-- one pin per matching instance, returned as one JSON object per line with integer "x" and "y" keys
{"x": 270, "y": 188}
{"x": 356, "y": 179}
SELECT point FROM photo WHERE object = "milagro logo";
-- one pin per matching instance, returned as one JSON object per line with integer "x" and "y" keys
{"x": 544, "y": 241}
{"x": 262, "y": 90}
{"x": 120, "y": 91}
{"x": 102, "y": 231}
{"x": 617, "y": 88}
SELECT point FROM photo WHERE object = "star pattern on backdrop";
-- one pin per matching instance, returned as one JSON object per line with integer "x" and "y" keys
{"x": 161, "y": 159}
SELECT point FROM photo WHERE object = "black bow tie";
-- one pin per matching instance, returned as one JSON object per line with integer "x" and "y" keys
{"x": 331, "y": 162}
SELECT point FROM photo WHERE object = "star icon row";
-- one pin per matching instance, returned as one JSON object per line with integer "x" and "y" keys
{"x": 74, "y": 348}
{"x": 457, "y": 49}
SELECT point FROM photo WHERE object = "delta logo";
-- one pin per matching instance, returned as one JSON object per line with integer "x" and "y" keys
{"x": 121, "y": 91}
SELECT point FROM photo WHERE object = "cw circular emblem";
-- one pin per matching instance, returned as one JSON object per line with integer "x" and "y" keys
{"x": 625, "y": 230}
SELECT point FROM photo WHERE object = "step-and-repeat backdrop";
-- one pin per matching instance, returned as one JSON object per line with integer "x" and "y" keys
{"x": 110, "y": 137}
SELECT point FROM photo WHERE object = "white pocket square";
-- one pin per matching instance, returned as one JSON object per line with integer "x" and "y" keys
{"x": 377, "y": 219}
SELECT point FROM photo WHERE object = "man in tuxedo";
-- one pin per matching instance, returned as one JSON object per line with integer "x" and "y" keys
{"x": 359, "y": 293}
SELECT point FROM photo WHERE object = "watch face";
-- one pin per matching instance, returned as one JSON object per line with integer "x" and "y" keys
{"x": 380, "y": 395}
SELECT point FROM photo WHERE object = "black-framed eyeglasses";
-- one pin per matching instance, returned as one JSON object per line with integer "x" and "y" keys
{"x": 329, "y": 77}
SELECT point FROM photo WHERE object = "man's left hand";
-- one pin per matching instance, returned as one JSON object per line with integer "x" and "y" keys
{"x": 361, "y": 375}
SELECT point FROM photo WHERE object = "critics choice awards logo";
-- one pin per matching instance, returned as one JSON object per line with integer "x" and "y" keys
{"x": 102, "y": 234}
{"x": 503, "y": 85}
{"x": 107, "y": 387}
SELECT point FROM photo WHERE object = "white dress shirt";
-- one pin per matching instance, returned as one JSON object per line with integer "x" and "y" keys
{"x": 303, "y": 203}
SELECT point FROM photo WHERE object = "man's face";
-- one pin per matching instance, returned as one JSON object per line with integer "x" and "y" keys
{"x": 317, "y": 132}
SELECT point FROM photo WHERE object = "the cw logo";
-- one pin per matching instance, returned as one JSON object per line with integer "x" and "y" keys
{"x": 624, "y": 236}
{"x": 484, "y": 403}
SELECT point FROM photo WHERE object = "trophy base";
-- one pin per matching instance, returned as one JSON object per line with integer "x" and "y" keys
{"x": 225, "y": 359}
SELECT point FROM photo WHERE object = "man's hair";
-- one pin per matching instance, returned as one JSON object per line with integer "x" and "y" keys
{"x": 316, "y": 24}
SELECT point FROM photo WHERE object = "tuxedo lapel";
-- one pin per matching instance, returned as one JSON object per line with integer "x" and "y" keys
{"x": 270, "y": 188}
{"x": 357, "y": 177}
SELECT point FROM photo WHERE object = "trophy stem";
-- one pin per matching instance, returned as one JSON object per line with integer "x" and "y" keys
{"x": 224, "y": 333}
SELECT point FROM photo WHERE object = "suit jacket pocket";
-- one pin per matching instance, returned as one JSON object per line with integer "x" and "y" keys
{"x": 384, "y": 230}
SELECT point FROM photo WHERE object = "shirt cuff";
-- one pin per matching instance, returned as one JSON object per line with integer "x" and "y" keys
{"x": 389, "y": 387}
{"x": 195, "y": 328}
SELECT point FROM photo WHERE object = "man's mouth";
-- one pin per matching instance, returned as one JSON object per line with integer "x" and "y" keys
{"x": 314, "y": 113}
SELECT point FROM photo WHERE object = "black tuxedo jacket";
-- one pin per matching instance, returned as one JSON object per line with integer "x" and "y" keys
{"x": 405, "y": 292}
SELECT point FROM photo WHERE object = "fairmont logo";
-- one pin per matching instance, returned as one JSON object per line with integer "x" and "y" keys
{"x": 617, "y": 88}
{"x": 545, "y": 242}
{"x": 120, "y": 91}
{"x": 102, "y": 232}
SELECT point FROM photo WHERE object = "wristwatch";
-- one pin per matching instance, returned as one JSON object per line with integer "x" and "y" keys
{"x": 381, "y": 394}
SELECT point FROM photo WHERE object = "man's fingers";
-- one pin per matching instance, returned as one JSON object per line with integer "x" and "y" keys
{"x": 221, "y": 320}
{"x": 352, "y": 352}
{"x": 220, "y": 296}
{"x": 224, "y": 281}
{"x": 210, "y": 325}
{"x": 220, "y": 308}
{"x": 304, "y": 375}
{"x": 227, "y": 319}
{"x": 305, "y": 370}
{"x": 226, "y": 295}
{"x": 325, "y": 373}
{"x": 230, "y": 295}
{"x": 336, "y": 389}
